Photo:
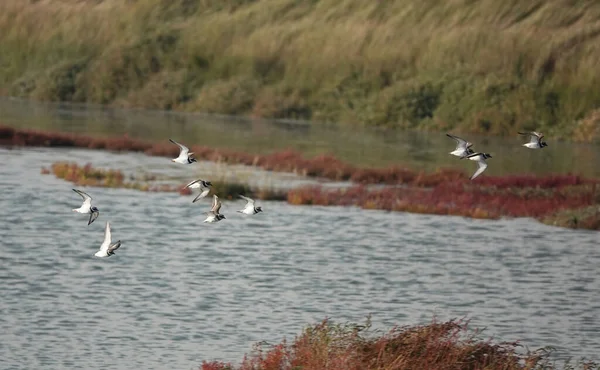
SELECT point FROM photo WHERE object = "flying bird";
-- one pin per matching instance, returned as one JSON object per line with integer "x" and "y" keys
{"x": 213, "y": 214}
{"x": 463, "y": 147}
{"x": 107, "y": 249}
{"x": 204, "y": 187}
{"x": 481, "y": 163}
{"x": 535, "y": 141}
{"x": 86, "y": 207}
{"x": 249, "y": 209}
{"x": 184, "y": 154}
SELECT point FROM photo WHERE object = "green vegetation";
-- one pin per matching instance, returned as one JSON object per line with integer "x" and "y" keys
{"x": 487, "y": 66}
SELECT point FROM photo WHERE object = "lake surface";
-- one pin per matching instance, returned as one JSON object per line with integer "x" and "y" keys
{"x": 362, "y": 147}
{"x": 178, "y": 291}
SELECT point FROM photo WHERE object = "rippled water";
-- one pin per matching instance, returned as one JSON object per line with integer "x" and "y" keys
{"x": 179, "y": 291}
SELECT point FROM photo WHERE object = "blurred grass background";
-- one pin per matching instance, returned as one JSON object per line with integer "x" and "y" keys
{"x": 485, "y": 66}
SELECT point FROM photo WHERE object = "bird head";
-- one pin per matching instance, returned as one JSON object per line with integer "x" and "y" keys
{"x": 208, "y": 183}
{"x": 543, "y": 144}
{"x": 487, "y": 155}
{"x": 258, "y": 209}
{"x": 94, "y": 209}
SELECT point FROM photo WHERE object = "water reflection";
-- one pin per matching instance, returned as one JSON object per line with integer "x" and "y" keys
{"x": 364, "y": 147}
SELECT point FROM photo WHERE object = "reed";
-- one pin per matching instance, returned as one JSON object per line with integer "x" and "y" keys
{"x": 449, "y": 345}
{"x": 487, "y": 67}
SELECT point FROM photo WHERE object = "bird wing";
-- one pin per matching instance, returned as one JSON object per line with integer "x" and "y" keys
{"x": 113, "y": 247}
{"x": 482, "y": 166}
{"x": 87, "y": 200}
{"x": 201, "y": 195}
{"x": 460, "y": 143}
{"x": 216, "y": 206}
{"x": 534, "y": 137}
{"x": 183, "y": 149}
{"x": 249, "y": 200}
{"x": 93, "y": 217}
{"x": 107, "y": 238}
{"x": 192, "y": 183}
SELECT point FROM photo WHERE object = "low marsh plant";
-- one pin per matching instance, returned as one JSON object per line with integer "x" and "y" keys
{"x": 449, "y": 345}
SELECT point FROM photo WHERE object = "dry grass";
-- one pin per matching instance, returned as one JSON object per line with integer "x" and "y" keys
{"x": 447, "y": 345}
{"x": 486, "y": 66}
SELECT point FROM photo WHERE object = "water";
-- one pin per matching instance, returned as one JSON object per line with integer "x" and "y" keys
{"x": 362, "y": 147}
{"x": 179, "y": 291}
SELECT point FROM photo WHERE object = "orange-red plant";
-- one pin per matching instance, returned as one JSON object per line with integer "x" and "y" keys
{"x": 447, "y": 345}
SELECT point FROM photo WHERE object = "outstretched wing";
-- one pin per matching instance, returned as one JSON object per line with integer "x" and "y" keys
{"x": 113, "y": 247}
{"x": 460, "y": 143}
{"x": 482, "y": 166}
{"x": 93, "y": 217}
{"x": 216, "y": 206}
{"x": 201, "y": 195}
{"x": 193, "y": 182}
{"x": 249, "y": 200}
{"x": 534, "y": 137}
{"x": 183, "y": 149}
{"x": 87, "y": 200}
{"x": 107, "y": 237}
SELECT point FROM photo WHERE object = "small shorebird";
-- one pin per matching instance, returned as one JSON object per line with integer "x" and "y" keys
{"x": 480, "y": 158}
{"x": 535, "y": 141}
{"x": 184, "y": 154}
{"x": 463, "y": 147}
{"x": 204, "y": 187}
{"x": 213, "y": 214}
{"x": 249, "y": 209}
{"x": 86, "y": 207}
{"x": 107, "y": 249}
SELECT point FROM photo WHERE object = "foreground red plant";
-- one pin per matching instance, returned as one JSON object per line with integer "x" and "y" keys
{"x": 449, "y": 346}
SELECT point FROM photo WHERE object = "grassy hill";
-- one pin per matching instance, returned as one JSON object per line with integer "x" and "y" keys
{"x": 469, "y": 66}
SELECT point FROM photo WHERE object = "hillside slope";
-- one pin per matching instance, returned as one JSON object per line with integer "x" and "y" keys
{"x": 471, "y": 66}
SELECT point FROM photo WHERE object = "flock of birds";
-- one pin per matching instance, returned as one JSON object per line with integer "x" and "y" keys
{"x": 463, "y": 150}
{"x": 108, "y": 248}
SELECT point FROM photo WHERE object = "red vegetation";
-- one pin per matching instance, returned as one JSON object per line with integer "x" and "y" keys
{"x": 449, "y": 346}
{"x": 324, "y": 166}
{"x": 462, "y": 199}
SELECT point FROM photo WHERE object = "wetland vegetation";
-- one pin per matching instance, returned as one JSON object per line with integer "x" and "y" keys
{"x": 485, "y": 67}
{"x": 560, "y": 200}
{"x": 449, "y": 345}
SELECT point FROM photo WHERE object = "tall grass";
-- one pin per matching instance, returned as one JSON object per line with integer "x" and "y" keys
{"x": 485, "y": 66}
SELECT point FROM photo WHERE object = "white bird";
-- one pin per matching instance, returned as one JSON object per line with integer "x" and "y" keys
{"x": 480, "y": 158}
{"x": 213, "y": 214}
{"x": 107, "y": 249}
{"x": 204, "y": 187}
{"x": 184, "y": 154}
{"x": 86, "y": 207}
{"x": 535, "y": 141}
{"x": 249, "y": 209}
{"x": 463, "y": 147}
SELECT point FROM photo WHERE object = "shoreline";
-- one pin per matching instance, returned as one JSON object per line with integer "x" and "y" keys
{"x": 560, "y": 200}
